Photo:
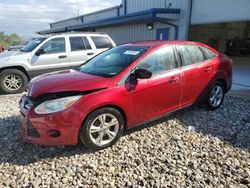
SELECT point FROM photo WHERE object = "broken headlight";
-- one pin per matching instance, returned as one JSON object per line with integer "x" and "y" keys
{"x": 56, "y": 105}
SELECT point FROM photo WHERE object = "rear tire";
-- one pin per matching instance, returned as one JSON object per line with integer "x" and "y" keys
{"x": 102, "y": 128}
{"x": 215, "y": 96}
{"x": 13, "y": 81}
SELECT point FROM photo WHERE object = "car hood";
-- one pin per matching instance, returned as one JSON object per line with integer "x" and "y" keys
{"x": 65, "y": 81}
{"x": 13, "y": 56}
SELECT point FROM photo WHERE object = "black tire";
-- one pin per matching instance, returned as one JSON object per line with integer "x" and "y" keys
{"x": 213, "y": 105}
{"x": 84, "y": 132}
{"x": 19, "y": 75}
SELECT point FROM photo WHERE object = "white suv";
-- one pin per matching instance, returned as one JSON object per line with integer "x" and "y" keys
{"x": 47, "y": 54}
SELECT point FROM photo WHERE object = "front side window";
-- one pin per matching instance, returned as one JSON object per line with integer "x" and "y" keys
{"x": 101, "y": 42}
{"x": 159, "y": 61}
{"x": 113, "y": 61}
{"x": 56, "y": 45}
{"x": 190, "y": 54}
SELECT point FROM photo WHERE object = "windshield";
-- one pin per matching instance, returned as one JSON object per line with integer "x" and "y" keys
{"x": 113, "y": 61}
{"x": 32, "y": 45}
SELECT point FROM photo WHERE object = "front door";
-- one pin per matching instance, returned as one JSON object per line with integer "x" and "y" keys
{"x": 55, "y": 57}
{"x": 162, "y": 34}
{"x": 161, "y": 93}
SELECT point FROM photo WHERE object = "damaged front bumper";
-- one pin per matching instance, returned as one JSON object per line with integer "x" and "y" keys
{"x": 59, "y": 128}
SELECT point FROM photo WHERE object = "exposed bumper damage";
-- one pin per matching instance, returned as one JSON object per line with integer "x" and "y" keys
{"x": 60, "y": 128}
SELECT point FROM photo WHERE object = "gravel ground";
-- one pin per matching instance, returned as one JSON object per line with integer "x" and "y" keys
{"x": 193, "y": 148}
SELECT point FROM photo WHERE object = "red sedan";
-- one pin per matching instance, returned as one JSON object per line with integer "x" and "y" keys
{"x": 123, "y": 87}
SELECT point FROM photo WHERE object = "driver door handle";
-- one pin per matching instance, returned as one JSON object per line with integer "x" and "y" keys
{"x": 90, "y": 53}
{"x": 173, "y": 79}
{"x": 62, "y": 56}
{"x": 208, "y": 69}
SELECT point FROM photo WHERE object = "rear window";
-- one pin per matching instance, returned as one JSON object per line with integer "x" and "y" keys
{"x": 87, "y": 44}
{"x": 190, "y": 54}
{"x": 208, "y": 53}
{"x": 79, "y": 43}
{"x": 101, "y": 42}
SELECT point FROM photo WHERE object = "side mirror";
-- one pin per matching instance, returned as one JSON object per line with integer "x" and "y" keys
{"x": 142, "y": 74}
{"x": 40, "y": 52}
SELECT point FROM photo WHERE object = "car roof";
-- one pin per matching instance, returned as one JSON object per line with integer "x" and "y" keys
{"x": 155, "y": 43}
{"x": 77, "y": 33}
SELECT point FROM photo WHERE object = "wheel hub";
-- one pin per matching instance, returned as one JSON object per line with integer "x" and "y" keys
{"x": 216, "y": 96}
{"x": 104, "y": 129}
{"x": 13, "y": 82}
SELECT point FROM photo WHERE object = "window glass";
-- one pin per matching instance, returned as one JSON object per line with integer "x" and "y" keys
{"x": 76, "y": 44}
{"x": 56, "y": 45}
{"x": 190, "y": 54}
{"x": 87, "y": 44}
{"x": 33, "y": 44}
{"x": 113, "y": 61}
{"x": 102, "y": 42}
{"x": 209, "y": 54}
{"x": 159, "y": 61}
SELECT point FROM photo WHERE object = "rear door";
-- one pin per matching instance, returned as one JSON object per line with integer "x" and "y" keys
{"x": 161, "y": 93}
{"x": 196, "y": 73}
{"x": 80, "y": 50}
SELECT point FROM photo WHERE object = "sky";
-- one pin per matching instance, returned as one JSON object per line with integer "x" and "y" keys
{"x": 25, "y": 17}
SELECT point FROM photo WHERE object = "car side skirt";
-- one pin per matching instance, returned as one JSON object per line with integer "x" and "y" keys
{"x": 159, "y": 117}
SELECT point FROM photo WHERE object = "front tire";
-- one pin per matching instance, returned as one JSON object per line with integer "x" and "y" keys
{"x": 215, "y": 96}
{"x": 13, "y": 81}
{"x": 102, "y": 128}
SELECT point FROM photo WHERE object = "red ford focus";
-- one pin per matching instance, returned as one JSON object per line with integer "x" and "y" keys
{"x": 121, "y": 88}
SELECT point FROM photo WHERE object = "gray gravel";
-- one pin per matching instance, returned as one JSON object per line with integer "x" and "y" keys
{"x": 193, "y": 148}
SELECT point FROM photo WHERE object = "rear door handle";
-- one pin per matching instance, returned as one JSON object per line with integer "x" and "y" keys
{"x": 208, "y": 69}
{"x": 173, "y": 79}
{"x": 62, "y": 56}
{"x": 90, "y": 53}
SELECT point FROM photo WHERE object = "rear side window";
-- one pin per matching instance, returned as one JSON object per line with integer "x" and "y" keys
{"x": 190, "y": 54}
{"x": 79, "y": 43}
{"x": 101, "y": 42}
{"x": 208, "y": 53}
{"x": 87, "y": 44}
{"x": 159, "y": 61}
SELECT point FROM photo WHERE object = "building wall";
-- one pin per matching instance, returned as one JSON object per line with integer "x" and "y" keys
{"x": 72, "y": 21}
{"x": 136, "y": 6}
{"x": 184, "y": 5}
{"x": 219, "y": 11}
{"x": 203, "y": 12}
{"x": 102, "y": 14}
{"x": 124, "y": 34}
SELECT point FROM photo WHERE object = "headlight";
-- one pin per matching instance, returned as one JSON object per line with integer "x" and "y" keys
{"x": 56, "y": 105}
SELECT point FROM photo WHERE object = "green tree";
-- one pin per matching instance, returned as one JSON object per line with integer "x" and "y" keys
{"x": 10, "y": 40}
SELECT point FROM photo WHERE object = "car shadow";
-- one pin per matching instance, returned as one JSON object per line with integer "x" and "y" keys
{"x": 17, "y": 94}
{"x": 15, "y": 151}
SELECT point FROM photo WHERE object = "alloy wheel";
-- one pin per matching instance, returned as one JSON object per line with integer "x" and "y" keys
{"x": 104, "y": 129}
{"x": 216, "y": 96}
{"x": 13, "y": 82}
